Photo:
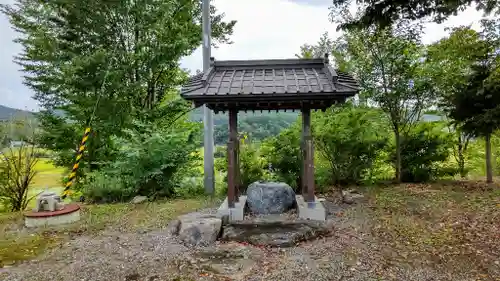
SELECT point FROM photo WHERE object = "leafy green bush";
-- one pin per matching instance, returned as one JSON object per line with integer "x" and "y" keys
{"x": 347, "y": 141}
{"x": 148, "y": 163}
{"x": 322, "y": 175}
{"x": 283, "y": 153}
{"x": 349, "y": 138}
{"x": 381, "y": 170}
{"x": 424, "y": 152}
{"x": 189, "y": 187}
{"x": 220, "y": 151}
{"x": 101, "y": 188}
{"x": 251, "y": 165}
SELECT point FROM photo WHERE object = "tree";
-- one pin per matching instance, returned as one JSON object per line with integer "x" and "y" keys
{"x": 386, "y": 12}
{"x": 17, "y": 170}
{"x": 388, "y": 64}
{"x": 350, "y": 138}
{"x": 318, "y": 50}
{"x": 477, "y": 108}
{"x": 111, "y": 64}
{"x": 464, "y": 71}
{"x": 449, "y": 62}
{"x": 424, "y": 150}
{"x": 460, "y": 146}
{"x": 258, "y": 126}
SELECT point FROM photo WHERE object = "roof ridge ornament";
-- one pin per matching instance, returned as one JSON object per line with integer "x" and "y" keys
{"x": 326, "y": 59}
{"x": 330, "y": 69}
{"x": 208, "y": 72}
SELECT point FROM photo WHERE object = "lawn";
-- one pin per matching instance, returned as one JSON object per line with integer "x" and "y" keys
{"x": 18, "y": 244}
{"x": 48, "y": 176}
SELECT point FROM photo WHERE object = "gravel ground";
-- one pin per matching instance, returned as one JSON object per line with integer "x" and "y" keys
{"x": 110, "y": 256}
{"x": 350, "y": 254}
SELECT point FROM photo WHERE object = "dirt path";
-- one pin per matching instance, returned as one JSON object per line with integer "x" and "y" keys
{"x": 351, "y": 253}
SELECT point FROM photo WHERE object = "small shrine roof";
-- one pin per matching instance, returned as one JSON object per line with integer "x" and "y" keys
{"x": 269, "y": 85}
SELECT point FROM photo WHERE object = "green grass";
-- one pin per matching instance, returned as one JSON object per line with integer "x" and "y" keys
{"x": 17, "y": 245}
{"x": 48, "y": 177}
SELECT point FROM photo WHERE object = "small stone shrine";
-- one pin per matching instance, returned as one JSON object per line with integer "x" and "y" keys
{"x": 50, "y": 210}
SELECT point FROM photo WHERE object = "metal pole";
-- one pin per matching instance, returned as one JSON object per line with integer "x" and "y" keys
{"x": 208, "y": 122}
{"x": 11, "y": 128}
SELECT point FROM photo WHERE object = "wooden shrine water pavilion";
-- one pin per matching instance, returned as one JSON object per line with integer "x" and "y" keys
{"x": 257, "y": 85}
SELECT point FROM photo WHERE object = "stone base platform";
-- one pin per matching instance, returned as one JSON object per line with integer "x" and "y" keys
{"x": 310, "y": 211}
{"x": 70, "y": 213}
{"x": 274, "y": 234}
{"x": 234, "y": 214}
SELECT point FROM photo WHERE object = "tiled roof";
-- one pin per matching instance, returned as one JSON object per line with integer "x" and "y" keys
{"x": 288, "y": 77}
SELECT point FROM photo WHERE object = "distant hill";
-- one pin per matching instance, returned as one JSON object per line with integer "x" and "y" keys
{"x": 222, "y": 118}
{"x": 7, "y": 112}
{"x": 257, "y": 125}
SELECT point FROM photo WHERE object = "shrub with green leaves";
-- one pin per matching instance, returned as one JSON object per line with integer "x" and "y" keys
{"x": 101, "y": 188}
{"x": 349, "y": 138}
{"x": 424, "y": 150}
{"x": 148, "y": 162}
{"x": 251, "y": 164}
{"x": 189, "y": 186}
{"x": 347, "y": 141}
{"x": 283, "y": 153}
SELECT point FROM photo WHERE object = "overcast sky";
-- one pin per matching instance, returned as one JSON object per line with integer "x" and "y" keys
{"x": 265, "y": 29}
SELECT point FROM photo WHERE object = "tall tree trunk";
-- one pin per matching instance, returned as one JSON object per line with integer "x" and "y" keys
{"x": 461, "y": 164}
{"x": 460, "y": 157}
{"x": 489, "y": 167}
{"x": 398, "y": 155}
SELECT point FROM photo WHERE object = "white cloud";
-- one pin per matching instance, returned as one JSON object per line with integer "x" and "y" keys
{"x": 265, "y": 29}
{"x": 277, "y": 29}
{"x": 434, "y": 32}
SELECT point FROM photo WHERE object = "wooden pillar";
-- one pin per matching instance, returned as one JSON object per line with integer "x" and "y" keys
{"x": 308, "y": 157}
{"x": 303, "y": 168}
{"x": 237, "y": 177}
{"x": 232, "y": 163}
